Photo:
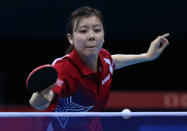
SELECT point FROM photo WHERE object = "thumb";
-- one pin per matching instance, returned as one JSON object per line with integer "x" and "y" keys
{"x": 165, "y": 43}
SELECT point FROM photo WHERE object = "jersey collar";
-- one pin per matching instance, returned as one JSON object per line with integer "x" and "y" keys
{"x": 78, "y": 62}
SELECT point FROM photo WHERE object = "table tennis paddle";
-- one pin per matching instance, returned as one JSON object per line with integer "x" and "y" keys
{"x": 41, "y": 77}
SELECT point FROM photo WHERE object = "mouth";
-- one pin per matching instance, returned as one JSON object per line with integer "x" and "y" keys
{"x": 91, "y": 46}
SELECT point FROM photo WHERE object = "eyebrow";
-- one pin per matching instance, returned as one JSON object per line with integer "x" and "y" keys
{"x": 84, "y": 26}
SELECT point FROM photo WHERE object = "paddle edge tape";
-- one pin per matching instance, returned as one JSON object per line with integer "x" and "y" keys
{"x": 42, "y": 68}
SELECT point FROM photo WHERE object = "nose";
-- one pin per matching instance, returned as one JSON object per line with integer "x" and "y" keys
{"x": 91, "y": 36}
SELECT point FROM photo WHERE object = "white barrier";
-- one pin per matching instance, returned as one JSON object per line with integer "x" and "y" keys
{"x": 90, "y": 114}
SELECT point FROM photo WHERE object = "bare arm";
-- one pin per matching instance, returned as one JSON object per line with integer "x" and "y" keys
{"x": 153, "y": 52}
{"x": 122, "y": 60}
{"x": 41, "y": 100}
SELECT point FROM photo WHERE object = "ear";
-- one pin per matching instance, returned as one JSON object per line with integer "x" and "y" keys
{"x": 70, "y": 38}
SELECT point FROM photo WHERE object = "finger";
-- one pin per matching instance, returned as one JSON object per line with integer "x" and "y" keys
{"x": 161, "y": 38}
{"x": 165, "y": 35}
{"x": 52, "y": 85}
{"x": 158, "y": 40}
{"x": 165, "y": 43}
{"x": 47, "y": 89}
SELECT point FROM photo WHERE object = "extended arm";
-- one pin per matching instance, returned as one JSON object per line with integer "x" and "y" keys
{"x": 154, "y": 51}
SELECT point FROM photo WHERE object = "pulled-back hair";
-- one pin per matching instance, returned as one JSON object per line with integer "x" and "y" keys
{"x": 76, "y": 17}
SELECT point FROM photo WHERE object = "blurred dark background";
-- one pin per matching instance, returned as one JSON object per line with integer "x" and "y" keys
{"x": 32, "y": 33}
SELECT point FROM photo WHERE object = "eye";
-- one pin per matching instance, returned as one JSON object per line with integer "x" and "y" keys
{"x": 82, "y": 31}
{"x": 97, "y": 30}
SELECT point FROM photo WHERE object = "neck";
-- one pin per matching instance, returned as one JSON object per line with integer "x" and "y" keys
{"x": 91, "y": 61}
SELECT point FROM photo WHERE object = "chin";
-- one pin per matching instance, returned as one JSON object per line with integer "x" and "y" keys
{"x": 92, "y": 53}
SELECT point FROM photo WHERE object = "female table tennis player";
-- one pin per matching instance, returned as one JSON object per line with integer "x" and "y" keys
{"x": 85, "y": 72}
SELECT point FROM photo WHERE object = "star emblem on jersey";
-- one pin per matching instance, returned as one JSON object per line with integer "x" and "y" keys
{"x": 67, "y": 105}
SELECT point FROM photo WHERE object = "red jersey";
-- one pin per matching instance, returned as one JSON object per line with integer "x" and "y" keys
{"x": 78, "y": 88}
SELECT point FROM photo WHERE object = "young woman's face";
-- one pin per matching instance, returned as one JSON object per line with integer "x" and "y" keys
{"x": 88, "y": 38}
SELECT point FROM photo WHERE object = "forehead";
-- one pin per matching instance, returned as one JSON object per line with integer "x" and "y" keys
{"x": 89, "y": 21}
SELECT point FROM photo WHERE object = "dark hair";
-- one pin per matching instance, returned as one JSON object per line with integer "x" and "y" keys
{"x": 77, "y": 15}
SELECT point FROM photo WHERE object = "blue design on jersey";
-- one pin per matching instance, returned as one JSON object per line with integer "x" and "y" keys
{"x": 67, "y": 105}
